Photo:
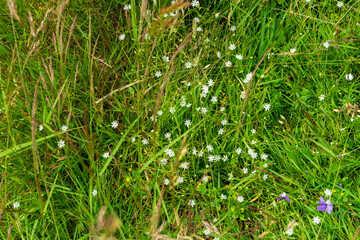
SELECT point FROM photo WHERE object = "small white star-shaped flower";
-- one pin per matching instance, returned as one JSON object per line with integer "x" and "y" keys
{"x": 316, "y": 220}
{"x": 240, "y": 199}
{"x": 16, "y": 205}
{"x": 61, "y": 144}
{"x": 114, "y": 124}
{"x": 327, "y": 192}
{"x": 121, "y": 36}
{"x": 239, "y": 57}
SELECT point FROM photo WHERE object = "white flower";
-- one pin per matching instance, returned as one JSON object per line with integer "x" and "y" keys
{"x": 127, "y": 7}
{"x": 292, "y": 50}
{"x": 240, "y": 199}
{"x": 254, "y": 142}
{"x": 230, "y": 177}
{"x": 199, "y": 29}
{"x": 243, "y": 95}
{"x": 184, "y": 165}
{"x": 207, "y": 232}
{"x": 248, "y": 77}
{"x": 180, "y": 180}
{"x": 349, "y": 77}
{"x": 166, "y": 15}
{"x": 316, "y": 220}
{"x": 217, "y": 158}
{"x": 160, "y": 112}
{"x": 195, "y": 3}
{"x": 172, "y": 110}
{"x": 225, "y": 158}
{"x": 188, "y": 65}
{"x": 224, "y": 122}
{"x": 265, "y": 177}
{"x": 232, "y": 47}
{"x": 222, "y": 109}
{"x": 163, "y": 161}
{"x": 167, "y": 135}
{"x": 307, "y": 1}
{"x": 133, "y": 139}
{"x": 192, "y": 202}
{"x": 94, "y": 192}
{"x": 61, "y": 144}
{"x": 232, "y": 28}
{"x": 223, "y": 196}
{"x": 265, "y": 165}
{"x": 203, "y": 110}
{"x": 214, "y": 99}
{"x": 215, "y": 220}
{"x": 121, "y": 36}
{"x": 166, "y": 58}
{"x": 267, "y": 106}
{"x": 206, "y": 179}
{"x": 289, "y": 231}
{"x": 207, "y": 40}
{"x": 209, "y": 148}
{"x": 322, "y": 97}
{"x": 264, "y": 156}
{"x": 158, "y": 74}
{"x": 274, "y": 203}
{"x": 327, "y": 192}
{"x": 106, "y": 155}
{"x": 145, "y": 141}
{"x": 187, "y": 123}
{"x": 16, "y": 205}
{"x": 228, "y": 64}
{"x": 253, "y": 131}
{"x": 245, "y": 170}
{"x": 170, "y": 152}
{"x": 283, "y": 194}
{"x": 211, "y": 158}
{"x": 217, "y": 15}
{"x": 340, "y": 4}
{"x": 114, "y": 124}
{"x": 210, "y": 82}
{"x": 221, "y": 131}
{"x": 253, "y": 172}
{"x": 239, "y": 57}
{"x": 200, "y": 153}
{"x": 238, "y": 150}
{"x": 166, "y": 181}
{"x": 147, "y": 36}
{"x": 188, "y": 105}
{"x": 64, "y": 128}
{"x": 326, "y": 44}
{"x": 218, "y": 54}
{"x": 41, "y": 127}
{"x": 196, "y": 19}
{"x": 152, "y": 118}
{"x": 194, "y": 151}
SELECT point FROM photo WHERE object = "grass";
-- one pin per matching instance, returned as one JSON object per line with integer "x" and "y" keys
{"x": 63, "y": 64}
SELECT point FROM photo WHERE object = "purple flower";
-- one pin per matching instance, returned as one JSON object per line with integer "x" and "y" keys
{"x": 325, "y": 206}
{"x": 283, "y": 196}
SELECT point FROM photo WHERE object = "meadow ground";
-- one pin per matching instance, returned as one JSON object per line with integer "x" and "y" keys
{"x": 179, "y": 120}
